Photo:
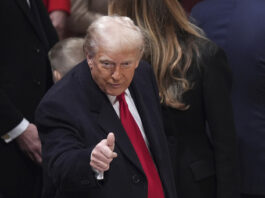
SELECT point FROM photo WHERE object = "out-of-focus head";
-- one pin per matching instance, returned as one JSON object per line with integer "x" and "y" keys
{"x": 65, "y": 55}
{"x": 113, "y": 46}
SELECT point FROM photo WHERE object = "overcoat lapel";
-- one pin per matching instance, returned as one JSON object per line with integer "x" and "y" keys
{"x": 150, "y": 130}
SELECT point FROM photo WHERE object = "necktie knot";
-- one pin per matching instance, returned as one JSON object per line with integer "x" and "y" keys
{"x": 121, "y": 97}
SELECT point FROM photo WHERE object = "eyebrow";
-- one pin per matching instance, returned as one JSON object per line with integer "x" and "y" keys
{"x": 105, "y": 60}
{"x": 127, "y": 61}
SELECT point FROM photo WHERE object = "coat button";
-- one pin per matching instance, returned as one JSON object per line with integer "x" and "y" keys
{"x": 37, "y": 82}
{"x": 136, "y": 179}
{"x": 38, "y": 50}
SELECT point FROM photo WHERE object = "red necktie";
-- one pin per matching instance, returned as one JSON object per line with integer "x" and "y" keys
{"x": 155, "y": 189}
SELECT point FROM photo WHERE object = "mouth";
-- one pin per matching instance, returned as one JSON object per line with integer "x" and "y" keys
{"x": 115, "y": 85}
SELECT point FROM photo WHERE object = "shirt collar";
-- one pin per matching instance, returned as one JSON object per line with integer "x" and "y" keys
{"x": 113, "y": 99}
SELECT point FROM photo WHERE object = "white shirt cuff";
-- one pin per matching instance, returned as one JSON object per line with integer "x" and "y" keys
{"x": 15, "y": 132}
{"x": 99, "y": 175}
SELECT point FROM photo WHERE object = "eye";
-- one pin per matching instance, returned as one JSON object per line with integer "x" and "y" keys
{"x": 126, "y": 64}
{"x": 107, "y": 64}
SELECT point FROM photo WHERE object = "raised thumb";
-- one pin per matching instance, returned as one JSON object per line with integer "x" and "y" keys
{"x": 111, "y": 141}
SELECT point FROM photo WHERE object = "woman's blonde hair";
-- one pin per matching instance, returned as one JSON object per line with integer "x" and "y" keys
{"x": 172, "y": 43}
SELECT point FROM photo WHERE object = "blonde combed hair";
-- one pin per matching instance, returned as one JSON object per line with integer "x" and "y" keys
{"x": 123, "y": 31}
{"x": 171, "y": 46}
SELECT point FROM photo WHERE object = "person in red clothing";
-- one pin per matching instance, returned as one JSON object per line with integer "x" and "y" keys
{"x": 58, "y": 11}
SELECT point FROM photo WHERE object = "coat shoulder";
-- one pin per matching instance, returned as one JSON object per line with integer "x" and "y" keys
{"x": 208, "y": 53}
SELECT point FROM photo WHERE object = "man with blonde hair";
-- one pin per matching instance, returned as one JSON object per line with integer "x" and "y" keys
{"x": 101, "y": 126}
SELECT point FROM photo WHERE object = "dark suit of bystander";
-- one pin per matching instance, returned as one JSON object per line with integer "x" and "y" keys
{"x": 26, "y": 36}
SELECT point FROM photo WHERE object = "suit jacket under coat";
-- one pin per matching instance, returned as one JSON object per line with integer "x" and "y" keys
{"x": 204, "y": 164}
{"x": 24, "y": 78}
{"x": 75, "y": 115}
{"x": 238, "y": 27}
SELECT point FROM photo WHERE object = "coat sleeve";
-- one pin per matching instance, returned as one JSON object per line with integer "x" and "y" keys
{"x": 10, "y": 117}
{"x": 218, "y": 108}
{"x": 66, "y": 158}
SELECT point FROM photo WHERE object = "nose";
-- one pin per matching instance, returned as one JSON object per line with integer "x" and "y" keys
{"x": 116, "y": 75}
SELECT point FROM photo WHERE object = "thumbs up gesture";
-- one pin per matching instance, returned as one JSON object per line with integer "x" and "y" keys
{"x": 102, "y": 155}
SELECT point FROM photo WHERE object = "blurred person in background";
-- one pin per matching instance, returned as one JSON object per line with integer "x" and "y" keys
{"x": 71, "y": 18}
{"x": 194, "y": 84}
{"x": 83, "y": 13}
{"x": 26, "y": 36}
{"x": 238, "y": 27}
{"x": 59, "y": 11}
{"x": 65, "y": 55}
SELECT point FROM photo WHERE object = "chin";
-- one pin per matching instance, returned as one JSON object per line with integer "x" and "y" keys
{"x": 115, "y": 93}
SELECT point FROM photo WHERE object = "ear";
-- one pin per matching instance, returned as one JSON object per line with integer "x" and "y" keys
{"x": 89, "y": 62}
{"x": 56, "y": 76}
{"x": 137, "y": 63}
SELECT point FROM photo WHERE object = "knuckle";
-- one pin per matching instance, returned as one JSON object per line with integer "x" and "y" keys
{"x": 92, "y": 163}
{"x": 92, "y": 160}
{"x": 97, "y": 146}
{"x": 94, "y": 153}
{"x": 100, "y": 169}
{"x": 107, "y": 167}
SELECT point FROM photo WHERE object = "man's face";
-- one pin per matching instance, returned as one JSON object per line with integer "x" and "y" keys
{"x": 113, "y": 71}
